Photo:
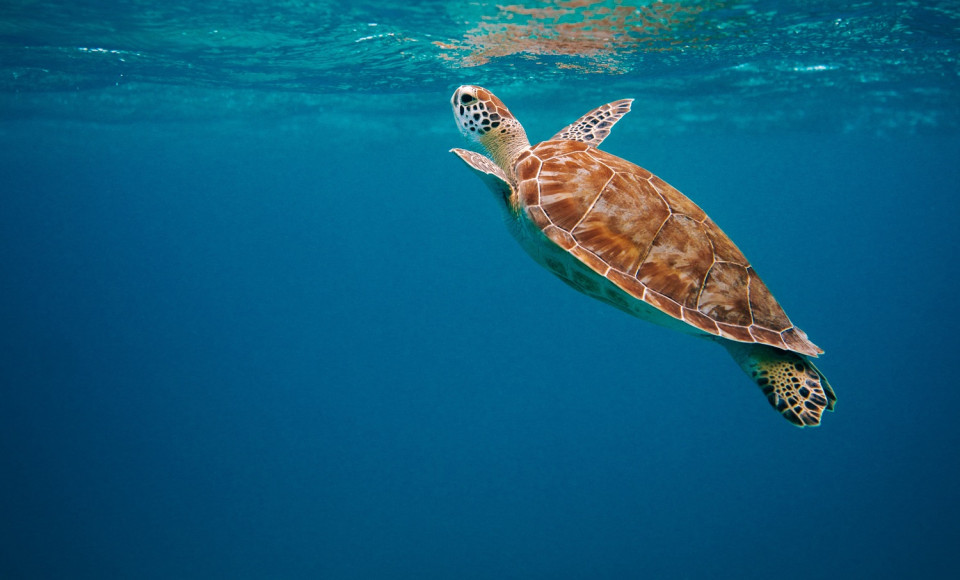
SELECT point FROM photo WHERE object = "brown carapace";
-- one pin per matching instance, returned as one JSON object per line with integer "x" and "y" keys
{"x": 617, "y": 232}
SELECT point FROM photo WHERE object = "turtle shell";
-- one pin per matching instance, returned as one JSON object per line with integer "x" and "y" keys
{"x": 649, "y": 240}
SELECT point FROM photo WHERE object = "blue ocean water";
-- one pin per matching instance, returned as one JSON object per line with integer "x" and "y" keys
{"x": 257, "y": 322}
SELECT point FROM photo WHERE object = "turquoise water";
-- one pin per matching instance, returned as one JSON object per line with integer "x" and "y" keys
{"x": 259, "y": 323}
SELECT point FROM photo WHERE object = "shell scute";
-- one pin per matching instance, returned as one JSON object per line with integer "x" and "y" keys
{"x": 550, "y": 149}
{"x": 678, "y": 202}
{"x": 723, "y": 247}
{"x": 525, "y": 156}
{"x": 700, "y": 320}
{"x": 767, "y": 336}
{"x": 767, "y": 313}
{"x": 678, "y": 260}
{"x": 735, "y": 332}
{"x": 568, "y": 189}
{"x": 540, "y": 218}
{"x": 628, "y": 284}
{"x": 664, "y": 304}
{"x": 527, "y": 171}
{"x": 797, "y": 340}
{"x": 560, "y": 237}
{"x": 725, "y": 295}
{"x": 591, "y": 259}
{"x": 611, "y": 227}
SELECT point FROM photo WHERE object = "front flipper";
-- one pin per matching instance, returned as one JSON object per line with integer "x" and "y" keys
{"x": 488, "y": 171}
{"x": 793, "y": 385}
{"x": 594, "y": 127}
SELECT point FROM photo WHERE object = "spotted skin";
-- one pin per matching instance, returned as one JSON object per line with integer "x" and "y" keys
{"x": 618, "y": 233}
{"x": 594, "y": 127}
{"x": 793, "y": 385}
{"x": 481, "y": 113}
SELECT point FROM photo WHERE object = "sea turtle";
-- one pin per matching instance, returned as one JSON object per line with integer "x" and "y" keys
{"x": 618, "y": 233}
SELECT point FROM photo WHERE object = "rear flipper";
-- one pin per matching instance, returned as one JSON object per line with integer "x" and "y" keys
{"x": 792, "y": 384}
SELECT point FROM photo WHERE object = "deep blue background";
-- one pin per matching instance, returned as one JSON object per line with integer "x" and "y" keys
{"x": 234, "y": 351}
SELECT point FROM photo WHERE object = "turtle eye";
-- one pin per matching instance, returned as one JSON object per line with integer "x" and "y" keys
{"x": 466, "y": 99}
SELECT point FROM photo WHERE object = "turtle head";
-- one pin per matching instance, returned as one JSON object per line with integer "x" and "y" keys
{"x": 484, "y": 119}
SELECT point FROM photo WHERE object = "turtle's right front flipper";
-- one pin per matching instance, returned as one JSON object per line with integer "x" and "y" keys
{"x": 792, "y": 384}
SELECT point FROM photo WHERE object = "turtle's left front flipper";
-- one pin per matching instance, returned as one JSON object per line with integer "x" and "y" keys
{"x": 792, "y": 384}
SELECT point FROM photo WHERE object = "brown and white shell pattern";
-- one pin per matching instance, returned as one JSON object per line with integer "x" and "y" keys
{"x": 646, "y": 237}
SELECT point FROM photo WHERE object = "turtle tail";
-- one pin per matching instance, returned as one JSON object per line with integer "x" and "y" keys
{"x": 794, "y": 386}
